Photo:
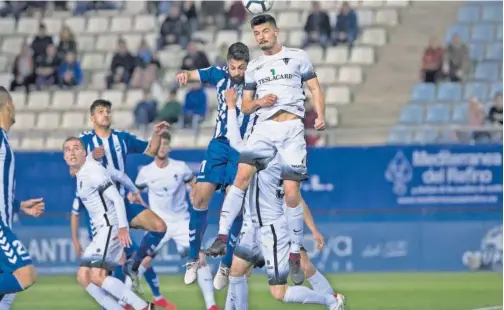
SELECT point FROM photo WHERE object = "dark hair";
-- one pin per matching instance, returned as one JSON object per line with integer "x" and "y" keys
{"x": 73, "y": 138}
{"x": 238, "y": 51}
{"x": 100, "y": 103}
{"x": 263, "y": 19}
{"x": 166, "y": 136}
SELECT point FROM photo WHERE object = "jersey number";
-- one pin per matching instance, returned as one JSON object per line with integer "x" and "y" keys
{"x": 273, "y": 72}
{"x": 20, "y": 249}
{"x": 202, "y": 168}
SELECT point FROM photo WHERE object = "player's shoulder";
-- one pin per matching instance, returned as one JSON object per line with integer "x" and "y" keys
{"x": 296, "y": 52}
{"x": 217, "y": 71}
{"x": 122, "y": 133}
{"x": 177, "y": 163}
{"x": 256, "y": 63}
{"x": 85, "y": 135}
{"x": 147, "y": 168}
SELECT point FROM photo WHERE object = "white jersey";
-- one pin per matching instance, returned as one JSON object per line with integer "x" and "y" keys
{"x": 166, "y": 188}
{"x": 281, "y": 74}
{"x": 99, "y": 195}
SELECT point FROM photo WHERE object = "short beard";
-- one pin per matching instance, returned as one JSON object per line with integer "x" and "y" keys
{"x": 237, "y": 80}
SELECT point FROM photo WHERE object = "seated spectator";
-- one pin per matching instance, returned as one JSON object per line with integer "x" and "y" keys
{"x": 236, "y": 16}
{"x": 221, "y": 58}
{"x": 46, "y": 68}
{"x": 173, "y": 29}
{"x": 189, "y": 11}
{"x": 495, "y": 112}
{"x": 347, "y": 26}
{"x": 41, "y": 41}
{"x": 60, "y": 5}
{"x": 66, "y": 42}
{"x": 457, "y": 63}
{"x": 309, "y": 123}
{"x": 195, "y": 59}
{"x": 172, "y": 109}
{"x": 317, "y": 27}
{"x": 82, "y": 7}
{"x": 211, "y": 13}
{"x": 146, "y": 110}
{"x": 432, "y": 61}
{"x": 70, "y": 71}
{"x": 22, "y": 70}
{"x": 122, "y": 66}
{"x": 147, "y": 65}
{"x": 195, "y": 106}
{"x": 14, "y": 8}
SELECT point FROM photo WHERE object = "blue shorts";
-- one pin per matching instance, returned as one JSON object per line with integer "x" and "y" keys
{"x": 220, "y": 164}
{"x": 13, "y": 254}
{"x": 132, "y": 210}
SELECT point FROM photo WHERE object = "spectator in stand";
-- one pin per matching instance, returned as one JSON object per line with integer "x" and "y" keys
{"x": 173, "y": 30}
{"x": 41, "y": 41}
{"x": 122, "y": 66}
{"x": 146, "y": 110}
{"x": 82, "y": 7}
{"x": 46, "y": 68}
{"x": 211, "y": 13}
{"x": 195, "y": 59}
{"x": 309, "y": 123}
{"x": 60, "y": 5}
{"x": 70, "y": 71}
{"x": 14, "y": 8}
{"x": 457, "y": 64}
{"x": 432, "y": 61}
{"x": 189, "y": 11}
{"x": 347, "y": 26}
{"x": 236, "y": 16}
{"x": 317, "y": 27}
{"x": 476, "y": 119}
{"x": 146, "y": 69}
{"x": 66, "y": 42}
{"x": 172, "y": 110}
{"x": 495, "y": 112}
{"x": 195, "y": 106}
{"x": 221, "y": 58}
{"x": 22, "y": 70}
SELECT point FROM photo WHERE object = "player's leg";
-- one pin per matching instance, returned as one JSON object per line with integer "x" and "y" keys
{"x": 317, "y": 280}
{"x": 237, "y": 294}
{"x": 98, "y": 294}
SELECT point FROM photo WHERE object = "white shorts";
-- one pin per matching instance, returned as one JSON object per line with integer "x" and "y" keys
{"x": 285, "y": 138}
{"x": 275, "y": 247}
{"x": 249, "y": 245}
{"x": 105, "y": 250}
{"x": 178, "y": 232}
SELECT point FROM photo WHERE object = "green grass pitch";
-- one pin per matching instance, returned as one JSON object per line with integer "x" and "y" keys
{"x": 370, "y": 291}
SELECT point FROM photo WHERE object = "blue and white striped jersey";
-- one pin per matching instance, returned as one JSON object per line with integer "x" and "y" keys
{"x": 7, "y": 205}
{"x": 220, "y": 79}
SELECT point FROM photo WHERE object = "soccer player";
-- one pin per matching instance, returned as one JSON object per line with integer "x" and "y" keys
{"x": 166, "y": 180}
{"x": 111, "y": 147}
{"x": 274, "y": 90}
{"x": 18, "y": 271}
{"x": 107, "y": 211}
{"x": 219, "y": 168}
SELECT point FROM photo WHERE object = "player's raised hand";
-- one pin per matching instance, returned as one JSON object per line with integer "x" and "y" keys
{"x": 231, "y": 96}
{"x": 319, "y": 124}
{"x": 98, "y": 152}
{"x": 136, "y": 198}
{"x": 268, "y": 100}
{"x": 124, "y": 237}
{"x": 33, "y": 207}
{"x": 182, "y": 78}
{"x": 319, "y": 239}
{"x": 161, "y": 128}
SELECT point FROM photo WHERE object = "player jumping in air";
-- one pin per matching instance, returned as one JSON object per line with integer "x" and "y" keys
{"x": 110, "y": 147}
{"x": 18, "y": 271}
{"x": 107, "y": 211}
{"x": 219, "y": 168}
{"x": 166, "y": 180}
{"x": 276, "y": 80}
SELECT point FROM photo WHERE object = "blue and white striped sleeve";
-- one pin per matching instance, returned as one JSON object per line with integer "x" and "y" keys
{"x": 211, "y": 75}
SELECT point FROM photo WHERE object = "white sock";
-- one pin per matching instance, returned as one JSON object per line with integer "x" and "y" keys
{"x": 141, "y": 271}
{"x": 102, "y": 298}
{"x": 303, "y": 295}
{"x": 119, "y": 290}
{"x": 240, "y": 291}
{"x": 7, "y": 301}
{"x": 231, "y": 296}
{"x": 205, "y": 283}
{"x": 296, "y": 226}
{"x": 230, "y": 209}
{"x": 320, "y": 284}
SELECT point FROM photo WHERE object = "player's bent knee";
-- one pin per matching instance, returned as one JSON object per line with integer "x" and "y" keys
{"x": 202, "y": 194}
{"x": 292, "y": 194}
{"x": 278, "y": 291}
{"x": 83, "y": 276}
{"x": 159, "y": 225}
{"x": 26, "y": 275}
{"x": 98, "y": 275}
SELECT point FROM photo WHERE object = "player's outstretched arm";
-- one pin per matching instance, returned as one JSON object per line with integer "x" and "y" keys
{"x": 121, "y": 177}
{"x": 187, "y": 76}
{"x": 318, "y": 102}
{"x": 74, "y": 228}
{"x": 250, "y": 105}
{"x": 233, "y": 129}
{"x": 310, "y": 222}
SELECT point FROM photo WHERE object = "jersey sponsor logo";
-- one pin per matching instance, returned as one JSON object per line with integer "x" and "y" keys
{"x": 275, "y": 77}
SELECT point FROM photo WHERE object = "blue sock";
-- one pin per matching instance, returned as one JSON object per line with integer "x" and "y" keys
{"x": 234, "y": 234}
{"x": 149, "y": 243}
{"x": 197, "y": 226}
{"x": 9, "y": 284}
{"x": 153, "y": 281}
{"x": 119, "y": 273}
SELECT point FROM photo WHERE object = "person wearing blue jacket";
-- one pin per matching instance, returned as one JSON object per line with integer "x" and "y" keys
{"x": 70, "y": 72}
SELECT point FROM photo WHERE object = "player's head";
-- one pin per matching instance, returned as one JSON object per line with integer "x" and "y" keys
{"x": 265, "y": 31}
{"x": 100, "y": 112}
{"x": 238, "y": 57}
{"x": 165, "y": 148}
{"x": 74, "y": 152}
{"x": 7, "y": 110}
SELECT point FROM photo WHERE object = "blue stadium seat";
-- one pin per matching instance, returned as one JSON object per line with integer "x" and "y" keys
{"x": 499, "y": 32}
{"x": 437, "y": 114}
{"x": 475, "y": 89}
{"x": 476, "y": 51}
{"x": 461, "y": 30}
{"x": 449, "y": 92}
{"x": 496, "y": 88}
{"x": 399, "y": 135}
{"x": 426, "y": 136}
{"x": 460, "y": 113}
{"x": 469, "y": 14}
{"x": 494, "y": 51}
{"x": 492, "y": 13}
{"x": 423, "y": 92}
{"x": 487, "y": 71}
{"x": 411, "y": 114}
{"x": 482, "y": 33}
